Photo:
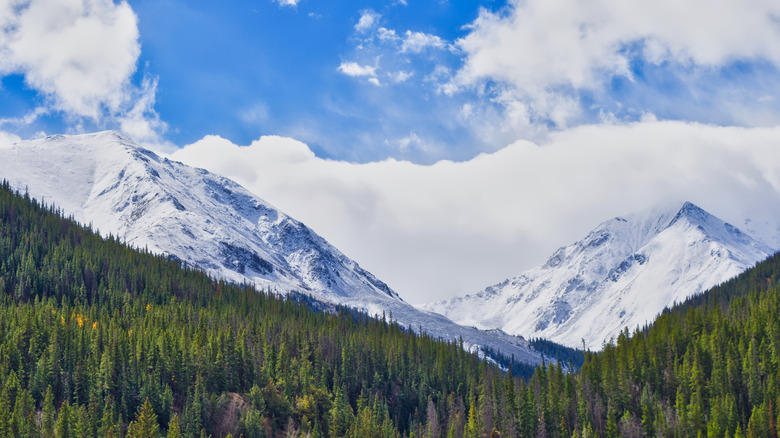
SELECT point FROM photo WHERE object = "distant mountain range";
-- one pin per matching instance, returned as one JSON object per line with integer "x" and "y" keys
{"x": 213, "y": 223}
{"x": 622, "y": 274}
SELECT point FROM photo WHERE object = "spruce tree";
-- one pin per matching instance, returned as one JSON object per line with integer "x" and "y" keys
{"x": 174, "y": 429}
{"x": 63, "y": 428}
{"x": 145, "y": 424}
{"x": 48, "y": 416}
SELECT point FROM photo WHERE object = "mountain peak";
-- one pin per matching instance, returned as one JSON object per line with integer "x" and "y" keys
{"x": 622, "y": 274}
{"x": 211, "y": 222}
{"x": 204, "y": 219}
{"x": 102, "y": 137}
{"x": 692, "y": 212}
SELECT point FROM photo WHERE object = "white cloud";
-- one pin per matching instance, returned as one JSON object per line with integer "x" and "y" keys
{"x": 26, "y": 119}
{"x": 368, "y": 19}
{"x": 387, "y": 34}
{"x": 140, "y": 121}
{"x": 454, "y": 227}
{"x": 400, "y": 55}
{"x": 356, "y": 70}
{"x": 416, "y": 42}
{"x": 402, "y": 76}
{"x": 79, "y": 53}
{"x": 290, "y": 3}
{"x": 255, "y": 114}
{"x": 411, "y": 141}
{"x": 543, "y": 49}
{"x": 7, "y": 139}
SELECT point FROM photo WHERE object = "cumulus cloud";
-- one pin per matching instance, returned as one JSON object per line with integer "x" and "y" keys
{"x": 80, "y": 55}
{"x": 454, "y": 227}
{"x": 411, "y": 141}
{"x": 542, "y": 49}
{"x": 368, "y": 19}
{"x": 290, "y": 3}
{"x": 416, "y": 42}
{"x": 355, "y": 69}
{"x": 385, "y": 34}
{"x": 400, "y": 54}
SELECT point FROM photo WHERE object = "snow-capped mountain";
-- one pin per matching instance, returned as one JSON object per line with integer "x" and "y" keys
{"x": 213, "y": 223}
{"x": 622, "y": 274}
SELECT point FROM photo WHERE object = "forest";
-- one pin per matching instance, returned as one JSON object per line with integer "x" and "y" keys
{"x": 98, "y": 339}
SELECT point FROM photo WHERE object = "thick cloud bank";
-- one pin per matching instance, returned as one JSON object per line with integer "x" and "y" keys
{"x": 81, "y": 53}
{"x": 80, "y": 56}
{"x": 453, "y": 227}
{"x": 544, "y": 56}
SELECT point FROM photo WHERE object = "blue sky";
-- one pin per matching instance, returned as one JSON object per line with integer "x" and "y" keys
{"x": 444, "y": 145}
{"x": 423, "y": 83}
{"x": 248, "y": 68}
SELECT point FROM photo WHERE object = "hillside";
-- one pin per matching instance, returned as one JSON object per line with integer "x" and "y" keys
{"x": 91, "y": 329}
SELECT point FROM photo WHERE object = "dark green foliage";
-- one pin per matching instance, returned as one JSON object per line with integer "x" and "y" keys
{"x": 97, "y": 339}
{"x": 145, "y": 424}
{"x": 560, "y": 352}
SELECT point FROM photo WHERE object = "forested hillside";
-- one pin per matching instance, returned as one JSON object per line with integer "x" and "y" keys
{"x": 97, "y": 339}
{"x": 91, "y": 329}
{"x": 708, "y": 367}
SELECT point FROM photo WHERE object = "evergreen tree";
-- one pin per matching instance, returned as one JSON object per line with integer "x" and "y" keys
{"x": 174, "y": 429}
{"x": 63, "y": 428}
{"x": 6, "y": 422}
{"x": 145, "y": 424}
{"x": 108, "y": 422}
{"x": 48, "y": 416}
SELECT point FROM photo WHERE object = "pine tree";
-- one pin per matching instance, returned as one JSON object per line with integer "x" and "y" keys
{"x": 48, "y": 415}
{"x": 174, "y": 429}
{"x": 5, "y": 414}
{"x": 474, "y": 425}
{"x": 340, "y": 414}
{"x": 108, "y": 423}
{"x": 145, "y": 424}
{"x": 63, "y": 428}
{"x": 24, "y": 416}
{"x": 95, "y": 320}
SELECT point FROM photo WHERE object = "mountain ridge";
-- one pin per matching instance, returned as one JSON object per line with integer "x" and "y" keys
{"x": 621, "y": 274}
{"x": 215, "y": 224}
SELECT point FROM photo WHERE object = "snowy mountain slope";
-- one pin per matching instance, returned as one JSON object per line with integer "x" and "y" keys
{"x": 213, "y": 223}
{"x": 622, "y": 274}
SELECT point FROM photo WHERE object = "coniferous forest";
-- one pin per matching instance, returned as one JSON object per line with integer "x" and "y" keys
{"x": 100, "y": 340}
